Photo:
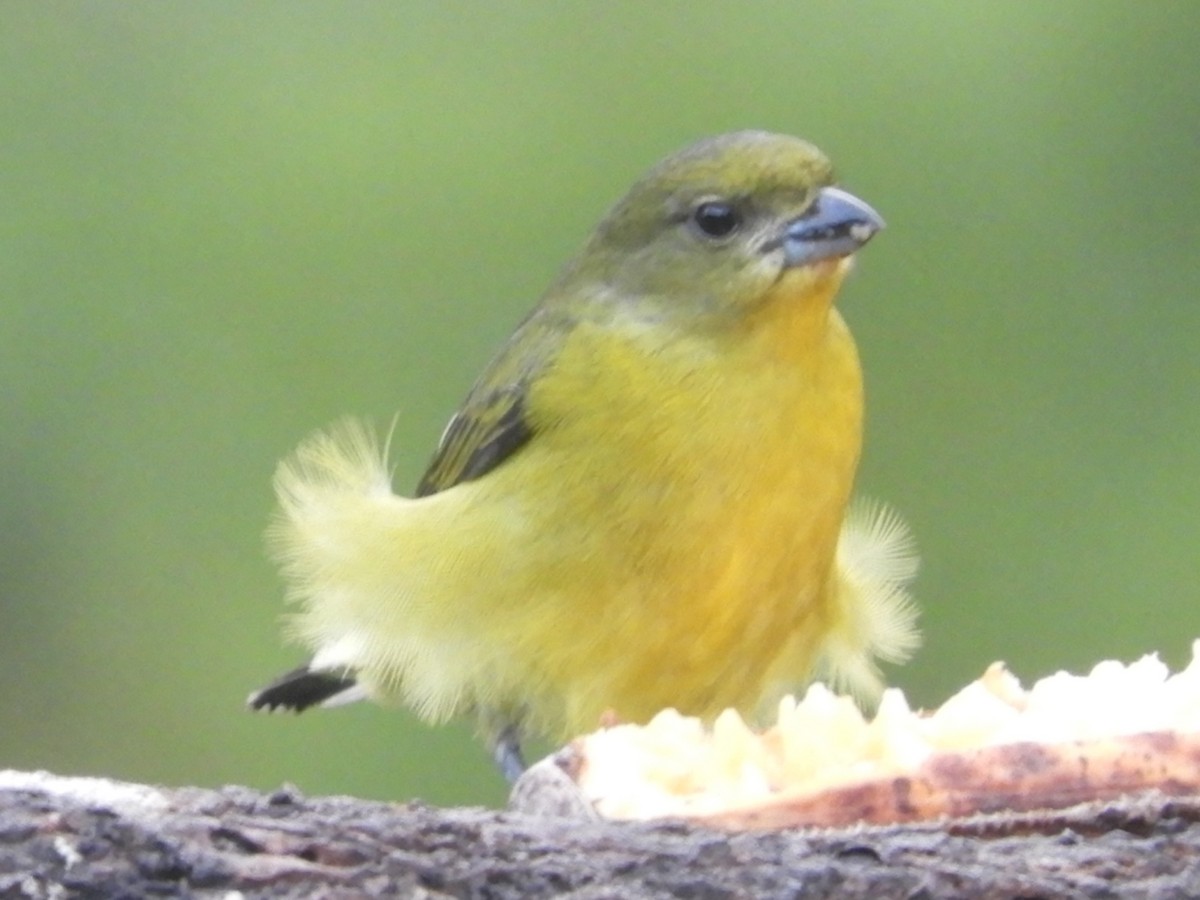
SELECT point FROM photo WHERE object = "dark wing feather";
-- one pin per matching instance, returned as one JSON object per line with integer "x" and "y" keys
{"x": 493, "y": 422}
{"x": 478, "y": 438}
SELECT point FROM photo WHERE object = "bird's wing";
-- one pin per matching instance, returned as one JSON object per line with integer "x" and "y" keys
{"x": 493, "y": 422}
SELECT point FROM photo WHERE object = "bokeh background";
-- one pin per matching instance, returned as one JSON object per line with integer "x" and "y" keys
{"x": 224, "y": 225}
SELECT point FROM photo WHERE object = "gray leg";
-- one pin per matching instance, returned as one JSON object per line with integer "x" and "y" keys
{"x": 506, "y": 753}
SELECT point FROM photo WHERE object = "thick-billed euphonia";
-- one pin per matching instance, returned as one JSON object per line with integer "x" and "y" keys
{"x": 642, "y": 502}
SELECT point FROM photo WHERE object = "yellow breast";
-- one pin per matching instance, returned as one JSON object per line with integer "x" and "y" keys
{"x": 670, "y": 563}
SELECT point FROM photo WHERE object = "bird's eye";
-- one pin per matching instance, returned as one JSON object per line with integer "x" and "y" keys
{"x": 716, "y": 218}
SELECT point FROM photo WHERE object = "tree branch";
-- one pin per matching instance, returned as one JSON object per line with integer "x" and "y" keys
{"x": 99, "y": 838}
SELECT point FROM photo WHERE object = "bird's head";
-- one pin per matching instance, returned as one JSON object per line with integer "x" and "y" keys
{"x": 724, "y": 224}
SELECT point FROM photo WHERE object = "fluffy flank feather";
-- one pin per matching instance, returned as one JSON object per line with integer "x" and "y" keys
{"x": 874, "y": 615}
{"x": 359, "y": 561}
{"x": 345, "y": 459}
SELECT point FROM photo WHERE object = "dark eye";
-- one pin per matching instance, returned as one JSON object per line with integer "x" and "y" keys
{"x": 716, "y": 218}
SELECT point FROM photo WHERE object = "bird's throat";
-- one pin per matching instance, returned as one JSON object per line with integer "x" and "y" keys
{"x": 796, "y": 315}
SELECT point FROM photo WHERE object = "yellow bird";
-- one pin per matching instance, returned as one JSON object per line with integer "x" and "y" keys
{"x": 642, "y": 502}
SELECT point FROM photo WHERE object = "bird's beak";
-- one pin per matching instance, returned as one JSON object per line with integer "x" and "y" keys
{"x": 836, "y": 224}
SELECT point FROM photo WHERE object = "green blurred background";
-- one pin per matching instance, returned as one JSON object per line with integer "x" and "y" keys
{"x": 224, "y": 225}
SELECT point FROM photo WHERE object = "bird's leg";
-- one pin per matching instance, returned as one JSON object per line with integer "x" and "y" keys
{"x": 506, "y": 752}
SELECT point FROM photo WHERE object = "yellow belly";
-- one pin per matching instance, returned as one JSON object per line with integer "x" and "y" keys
{"x": 671, "y": 563}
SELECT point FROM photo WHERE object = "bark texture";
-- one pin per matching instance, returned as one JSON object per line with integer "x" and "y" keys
{"x": 82, "y": 837}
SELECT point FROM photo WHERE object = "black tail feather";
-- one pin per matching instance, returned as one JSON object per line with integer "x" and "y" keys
{"x": 300, "y": 689}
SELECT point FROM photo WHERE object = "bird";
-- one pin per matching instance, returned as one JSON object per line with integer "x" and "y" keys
{"x": 644, "y": 501}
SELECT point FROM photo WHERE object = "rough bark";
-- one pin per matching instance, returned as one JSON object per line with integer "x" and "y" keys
{"x": 76, "y": 837}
